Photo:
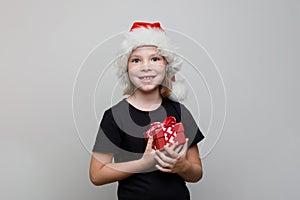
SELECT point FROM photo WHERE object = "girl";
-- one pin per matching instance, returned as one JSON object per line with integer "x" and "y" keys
{"x": 147, "y": 65}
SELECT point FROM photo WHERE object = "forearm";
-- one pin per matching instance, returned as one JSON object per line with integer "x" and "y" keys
{"x": 191, "y": 172}
{"x": 112, "y": 172}
{"x": 103, "y": 171}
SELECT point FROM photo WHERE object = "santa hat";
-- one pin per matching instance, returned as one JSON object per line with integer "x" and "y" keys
{"x": 142, "y": 34}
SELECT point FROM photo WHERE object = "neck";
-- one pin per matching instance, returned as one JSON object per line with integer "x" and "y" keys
{"x": 145, "y": 101}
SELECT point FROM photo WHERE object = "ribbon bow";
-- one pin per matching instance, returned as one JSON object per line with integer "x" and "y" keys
{"x": 168, "y": 128}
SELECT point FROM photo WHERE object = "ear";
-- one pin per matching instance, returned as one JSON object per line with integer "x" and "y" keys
{"x": 173, "y": 78}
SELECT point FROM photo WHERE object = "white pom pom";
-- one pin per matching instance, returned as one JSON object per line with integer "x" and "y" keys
{"x": 179, "y": 90}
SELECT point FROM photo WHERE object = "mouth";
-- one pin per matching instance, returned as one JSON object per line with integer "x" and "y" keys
{"x": 146, "y": 78}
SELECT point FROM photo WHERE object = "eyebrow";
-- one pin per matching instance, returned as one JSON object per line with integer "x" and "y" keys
{"x": 151, "y": 55}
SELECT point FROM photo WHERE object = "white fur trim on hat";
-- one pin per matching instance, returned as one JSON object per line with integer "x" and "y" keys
{"x": 179, "y": 90}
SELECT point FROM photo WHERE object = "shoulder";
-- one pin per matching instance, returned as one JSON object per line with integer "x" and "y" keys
{"x": 181, "y": 110}
{"x": 191, "y": 128}
{"x": 169, "y": 102}
{"x": 176, "y": 109}
{"x": 116, "y": 107}
{"x": 178, "y": 106}
{"x": 112, "y": 113}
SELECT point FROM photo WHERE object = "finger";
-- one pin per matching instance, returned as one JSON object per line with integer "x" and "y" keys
{"x": 161, "y": 162}
{"x": 187, "y": 140}
{"x": 186, "y": 144}
{"x": 178, "y": 148}
{"x": 165, "y": 158}
{"x": 163, "y": 169}
{"x": 171, "y": 152}
{"x": 149, "y": 144}
{"x": 184, "y": 148}
{"x": 172, "y": 146}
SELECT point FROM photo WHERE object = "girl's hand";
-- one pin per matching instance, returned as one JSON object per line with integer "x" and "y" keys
{"x": 148, "y": 156}
{"x": 172, "y": 159}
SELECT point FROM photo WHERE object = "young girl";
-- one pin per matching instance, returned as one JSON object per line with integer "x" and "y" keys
{"x": 147, "y": 65}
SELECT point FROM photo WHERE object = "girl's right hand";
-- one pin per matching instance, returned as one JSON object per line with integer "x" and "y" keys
{"x": 148, "y": 156}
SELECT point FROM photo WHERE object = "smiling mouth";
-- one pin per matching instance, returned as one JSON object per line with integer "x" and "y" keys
{"x": 146, "y": 77}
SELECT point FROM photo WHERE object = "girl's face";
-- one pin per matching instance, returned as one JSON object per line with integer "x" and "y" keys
{"x": 146, "y": 68}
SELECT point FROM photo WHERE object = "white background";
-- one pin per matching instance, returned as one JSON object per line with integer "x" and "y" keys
{"x": 254, "y": 43}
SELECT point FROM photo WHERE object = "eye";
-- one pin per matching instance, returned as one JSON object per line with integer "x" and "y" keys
{"x": 135, "y": 60}
{"x": 155, "y": 59}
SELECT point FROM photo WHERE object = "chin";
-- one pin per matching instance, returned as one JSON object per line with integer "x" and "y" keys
{"x": 148, "y": 88}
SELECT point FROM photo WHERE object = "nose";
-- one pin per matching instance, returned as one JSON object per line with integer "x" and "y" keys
{"x": 145, "y": 67}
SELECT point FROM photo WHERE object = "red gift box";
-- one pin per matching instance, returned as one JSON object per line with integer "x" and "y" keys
{"x": 166, "y": 133}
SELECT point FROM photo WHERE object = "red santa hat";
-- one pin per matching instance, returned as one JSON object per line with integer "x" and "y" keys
{"x": 142, "y": 34}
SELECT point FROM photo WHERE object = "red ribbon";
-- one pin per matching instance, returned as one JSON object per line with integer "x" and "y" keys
{"x": 168, "y": 127}
{"x": 169, "y": 130}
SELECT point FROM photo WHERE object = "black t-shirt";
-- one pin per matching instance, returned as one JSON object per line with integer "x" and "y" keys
{"x": 121, "y": 132}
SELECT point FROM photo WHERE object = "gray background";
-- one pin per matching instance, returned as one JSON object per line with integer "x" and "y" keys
{"x": 254, "y": 43}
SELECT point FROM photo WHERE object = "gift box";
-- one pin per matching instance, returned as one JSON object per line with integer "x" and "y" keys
{"x": 166, "y": 133}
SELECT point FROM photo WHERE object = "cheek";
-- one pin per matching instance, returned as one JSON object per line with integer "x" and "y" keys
{"x": 129, "y": 74}
{"x": 130, "y": 66}
{"x": 132, "y": 75}
{"x": 162, "y": 71}
{"x": 132, "y": 71}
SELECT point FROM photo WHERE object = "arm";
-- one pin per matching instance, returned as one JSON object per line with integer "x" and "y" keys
{"x": 181, "y": 160}
{"x": 192, "y": 170}
{"x": 103, "y": 171}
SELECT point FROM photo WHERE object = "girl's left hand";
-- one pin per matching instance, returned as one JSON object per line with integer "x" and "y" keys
{"x": 172, "y": 159}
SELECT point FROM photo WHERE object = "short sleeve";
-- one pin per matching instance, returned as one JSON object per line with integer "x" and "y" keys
{"x": 191, "y": 129}
{"x": 108, "y": 137}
